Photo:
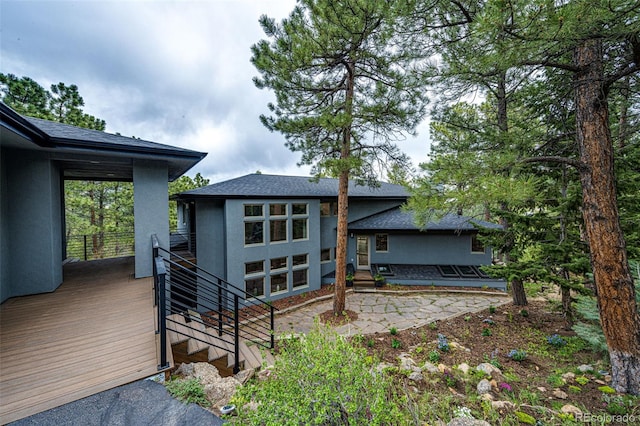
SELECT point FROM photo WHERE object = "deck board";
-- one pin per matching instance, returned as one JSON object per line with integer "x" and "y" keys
{"x": 95, "y": 332}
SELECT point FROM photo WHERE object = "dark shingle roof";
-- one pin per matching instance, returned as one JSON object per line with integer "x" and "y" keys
{"x": 399, "y": 220}
{"x": 272, "y": 186}
{"x": 72, "y": 135}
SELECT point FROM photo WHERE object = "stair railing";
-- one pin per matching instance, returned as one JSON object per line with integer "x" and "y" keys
{"x": 218, "y": 300}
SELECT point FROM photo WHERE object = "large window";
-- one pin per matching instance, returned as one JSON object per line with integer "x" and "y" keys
{"x": 278, "y": 283}
{"x": 382, "y": 242}
{"x": 277, "y": 209}
{"x": 253, "y": 233}
{"x": 253, "y": 229}
{"x": 300, "y": 229}
{"x": 277, "y": 230}
{"x": 300, "y": 263}
{"x": 278, "y": 263}
{"x": 254, "y": 278}
{"x": 300, "y": 278}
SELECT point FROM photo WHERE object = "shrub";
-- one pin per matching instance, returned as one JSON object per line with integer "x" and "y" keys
{"x": 486, "y": 331}
{"x": 517, "y": 355}
{"x": 321, "y": 379}
{"x": 188, "y": 391}
{"x": 393, "y": 331}
{"x": 443, "y": 344}
{"x": 492, "y": 309}
{"x": 556, "y": 341}
{"x": 396, "y": 344}
{"x": 434, "y": 356}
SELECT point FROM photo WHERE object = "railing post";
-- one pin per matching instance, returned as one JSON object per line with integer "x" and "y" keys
{"x": 236, "y": 334}
{"x": 219, "y": 308}
{"x": 162, "y": 306}
{"x": 85, "y": 247}
{"x": 273, "y": 329}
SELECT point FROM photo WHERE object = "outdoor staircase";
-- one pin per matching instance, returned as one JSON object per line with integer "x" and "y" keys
{"x": 207, "y": 319}
{"x": 363, "y": 279}
{"x": 193, "y": 341}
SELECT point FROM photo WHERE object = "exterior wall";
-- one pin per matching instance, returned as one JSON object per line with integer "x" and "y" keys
{"x": 237, "y": 254}
{"x": 211, "y": 238}
{"x": 31, "y": 224}
{"x": 151, "y": 211}
{"x": 328, "y": 225}
{"x": 429, "y": 249}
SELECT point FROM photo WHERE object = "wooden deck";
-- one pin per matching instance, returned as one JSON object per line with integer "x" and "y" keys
{"x": 95, "y": 332}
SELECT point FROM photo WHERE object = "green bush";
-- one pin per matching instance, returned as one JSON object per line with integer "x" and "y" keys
{"x": 321, "y": 379}
{"x": 188, "y": 391}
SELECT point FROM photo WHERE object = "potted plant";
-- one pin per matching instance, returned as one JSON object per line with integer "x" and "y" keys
{"x": 379, "y": 280}
{"x": 349, "y": 278}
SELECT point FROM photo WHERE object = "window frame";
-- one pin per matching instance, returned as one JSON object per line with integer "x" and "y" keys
{"x": 386, "y": 235}
{"x": 254, "y": 222}
{"x": 475, "y": 243}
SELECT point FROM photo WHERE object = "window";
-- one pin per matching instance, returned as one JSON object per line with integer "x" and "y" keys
{"x": 476, "y": 245}
{"x": 300, "y": 259}
{"x": 328, "y": 209}
{"x": 325, "y": 255}
{"x": 253, "y": 210}
{"x": 254, "y": 278}
{"x": 300, "y": 229}
{"x": 253, "y": 233}
{"x": 254, "y": 267}
{"x": 278, "y": 282}
{"x": 254, "y": 286}
{"x": 278, "y": 263}
{"x": 300, "y": 270}
{"x": 277, "y": 209}
{"x": 382, "y": 242}
{"x": 278, "y": 230}
{"x": 298, "y": 209}
{"x": 300, "y": 278}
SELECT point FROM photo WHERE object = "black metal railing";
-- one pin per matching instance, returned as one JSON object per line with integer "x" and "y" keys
{"x": 100, "y": 245}
{"x": 182, "y": 286}
{"x": 181, "y": 242}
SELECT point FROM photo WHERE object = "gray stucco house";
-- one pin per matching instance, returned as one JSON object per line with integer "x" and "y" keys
{"x": 276, "y": 236}
{"x": 36, "y": 157}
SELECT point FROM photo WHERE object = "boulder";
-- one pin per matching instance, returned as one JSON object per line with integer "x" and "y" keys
{"x": 416, "y": 376}
{"x": 560, "y": 394}
{"x": 464, "y": 367}
{"x": 406, "y": 362}
{"x": 430, "y": 368}
{"x": 484, "y": 386}
{"x": 502, "y": 405}
{"x": 571, "y": 409}
{"x": 585, "y": 368}
{"x": 489, "y": 369}
{"x": 219, "y": 390}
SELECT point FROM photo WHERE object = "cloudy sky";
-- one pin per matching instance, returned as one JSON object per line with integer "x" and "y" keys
{"x": 174, "y": 72}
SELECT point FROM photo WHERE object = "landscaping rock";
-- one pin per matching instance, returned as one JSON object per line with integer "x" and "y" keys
{"x": 568, "y": 377}
{"x": 571, "y": 409}
{"x": 406, "y": 362}
{"x": 486, "y": 397}
{"x": 584, "y": 368}
{"x": 244, "y": 375}
{"x": 265, "y": 373}
{"x": 502, "y": 405}
{"x": 458, "y": 346}
{"x": 442, "y": 368}
{"x": 430, "y": 368}
{"x": 416, "y": 377}
{"x": 560, "y": 394}
{"x": 484, "y": 386}
{"x": 489, "y": 369}
{"x": 464, "y": 367}
{"x": 219, "y": 390}
{"x": 465, "y": 421}
{"x": 383, "y": 366}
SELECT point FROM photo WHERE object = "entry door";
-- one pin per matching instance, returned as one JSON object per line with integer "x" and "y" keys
{"x": 362, "y": 252}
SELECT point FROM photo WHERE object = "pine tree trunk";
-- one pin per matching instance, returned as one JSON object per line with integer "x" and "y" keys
{"x": 341, "y": 247}
{"x": 614, "y": 283}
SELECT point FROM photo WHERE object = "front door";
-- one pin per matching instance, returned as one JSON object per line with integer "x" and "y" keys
{"x": 362, "y": 252}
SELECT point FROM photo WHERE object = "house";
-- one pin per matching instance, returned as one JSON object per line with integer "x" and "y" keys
{"x": 69, "y": 330}
{"x": 37, "y": 156}
{"x": 275, "y": 236}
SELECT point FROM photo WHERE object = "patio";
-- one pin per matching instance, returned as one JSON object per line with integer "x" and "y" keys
{"x": 95, "y": 332}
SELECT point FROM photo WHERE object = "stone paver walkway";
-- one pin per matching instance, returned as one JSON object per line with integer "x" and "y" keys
{"x": 378, "y": 312}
